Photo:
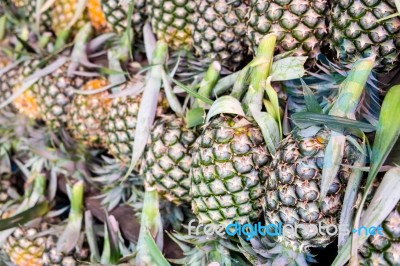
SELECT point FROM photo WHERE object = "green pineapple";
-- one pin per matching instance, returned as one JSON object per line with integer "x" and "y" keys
{"x": 294, "y": 193}
{"x": 219, "y": 31}
{"x": 383, "y": 250}
{"x": 167, "y": 161}
{"x": 293, "y": 186}
{"x": 356, "y": 33}
{"x": 121, "y": 123}
{"x": 54, "y": 93}
{"x": 230, "y": 165}
{"x": 299, "y": 25}
{"x": 28, "y": 9}
{"x": 172, "y": 21}
{"x": 116, "y": 15}
{"x": 230, "y": 157}
{"x": 88, "y": 113}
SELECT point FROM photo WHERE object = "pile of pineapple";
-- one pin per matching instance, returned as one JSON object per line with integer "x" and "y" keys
{"x": 130, "y": 129}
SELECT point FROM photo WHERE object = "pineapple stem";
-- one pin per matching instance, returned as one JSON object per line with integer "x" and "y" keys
{"x": 261, "y": 67}
{"x": 351, "y": 89}
{"x": 208, "y": 82}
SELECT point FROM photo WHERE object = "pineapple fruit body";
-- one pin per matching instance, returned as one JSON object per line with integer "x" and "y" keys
{"x": 88, "y": 114}
{"x": 117, "y": 15}
{"x": 299, "y": 25}
{"x": 172, "y": 21}
{"x": 383, "y": 249}
{"x": 356, "y": 33}
{"x": 54, "y": 93}
{"x": 62, "y": 13}
{"x": 167, "y": 160}
{"x": 26, "y": 248}
{"x": 219, "y": 31}
{"x": 120, "y": 126}
{"x": 293, "y": 187}
{"x": 230, "y": 166}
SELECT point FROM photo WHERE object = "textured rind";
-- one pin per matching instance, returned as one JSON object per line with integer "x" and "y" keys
{"x": 229, "y": 168}
{"x": 25, "y": 248}
{"x": 167, "y": 160}
{"x": 219, "y": 31}
{"x": 62, "y": 13}
{"x": 383, "y": 250}
{"x": 117, "y": 16}
{"x": 54, "y": 93}
{"x": 88, "y": 114}
{"x": 96, "y": 16}
{"x": 121, "y": 126}
{"x": 172, "y": 21}
{"x": 293, "y": 188}
{"x": 355, "y": 32}
{"x": 299, "y": 24}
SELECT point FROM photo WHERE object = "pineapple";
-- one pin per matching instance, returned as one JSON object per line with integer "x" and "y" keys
{"x": 299, "y": 25}
{"x": 26, "y": 103}
{"x": 88, "y": 114}
{"x": 29, "y": 11}
{"x": 172, "y": 21}
{"x": 219, "y": 31}
{"x": 45, "y": 244}
{"x": 62, "y": 13}
{"x": 120, "y": 126}
{"x": 54, "y": 93}
{"x": 36, "y": 246}
{"x": 230, "y": 165}
{"x": 383, "y": 250}
{"x": 121, "y": 123}
{"x": 230, "y": 158}
{"x": 167, "y": 161}
{"x": 293, "y": 186}
{"x": 96, "y": 15}
{"x": 356, "y": 32}
{"x": 7, "y": 80}
{"x": 293, "y": 190}
{"x": 10, "y": 82}
{"x": 116, "y": 15}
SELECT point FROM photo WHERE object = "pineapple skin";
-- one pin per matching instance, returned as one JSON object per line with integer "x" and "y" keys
{"x": 167, "y": 160}
{"x": 121, "y": 126}
{"x": 62, "y": 13}
{"x": 117, "y": 16}
{"x": 54, "y": 94}
{"x": 293, "y": 187}
{"x": 230, "y": 166}
{"x": 24, "y": 248}
{"x": 299, "y": 24}
{"x": 96, "y": 16}
{"x": 219, "y": 31}
{"x": 383, "y": 250}
{"x": 172, "y": 20}
{"x": 355, "y": 32}
{"x": 88, "y": 114}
